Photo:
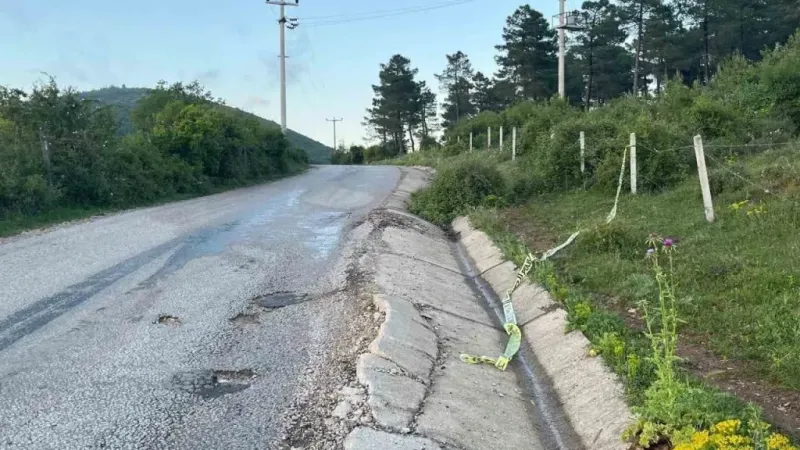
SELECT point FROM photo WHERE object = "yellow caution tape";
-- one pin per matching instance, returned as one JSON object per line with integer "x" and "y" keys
{"x": 510, "y": 325}
{"x": 501, "y": 362}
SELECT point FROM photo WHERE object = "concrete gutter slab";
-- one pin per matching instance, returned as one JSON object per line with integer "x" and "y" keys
{"x": 591, "y": 395}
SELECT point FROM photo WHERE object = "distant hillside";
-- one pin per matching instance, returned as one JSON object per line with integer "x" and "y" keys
{"x": 125, "y": 98}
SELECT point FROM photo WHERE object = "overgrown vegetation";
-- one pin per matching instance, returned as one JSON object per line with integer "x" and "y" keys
{"x": 733, "y": 287}
{"x": 61, "y": 154}
{"x": 123, "y": 100}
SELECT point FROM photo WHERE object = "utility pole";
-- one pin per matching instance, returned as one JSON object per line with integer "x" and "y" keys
{"x": 561, "y": 48}
{"x": 282, "y": 24}
{"x": 334, "y": 120}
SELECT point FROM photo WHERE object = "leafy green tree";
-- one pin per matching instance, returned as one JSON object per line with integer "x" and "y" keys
{"x": 527, "y": 58}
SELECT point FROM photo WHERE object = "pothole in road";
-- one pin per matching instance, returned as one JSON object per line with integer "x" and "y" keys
{"x": 213, "y": 383}
{"x": 277, "y": 300}
{"x": 243, "y": 319}
{"x": 166, "y": 319}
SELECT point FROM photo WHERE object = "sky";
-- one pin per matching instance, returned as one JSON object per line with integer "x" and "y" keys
{"x": 232, "y": 48}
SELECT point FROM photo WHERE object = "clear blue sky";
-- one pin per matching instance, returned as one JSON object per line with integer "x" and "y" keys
{"x": 231, "y": 46}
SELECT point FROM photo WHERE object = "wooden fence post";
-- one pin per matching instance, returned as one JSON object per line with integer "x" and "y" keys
{"x": 488, "y": 138}
{"x": 583, "y": 150}
{"x": 702, "y": 172}
{"x": 514, "y": 143}
{"x": 470, "y": 141}
{"x": 633, "y": 163}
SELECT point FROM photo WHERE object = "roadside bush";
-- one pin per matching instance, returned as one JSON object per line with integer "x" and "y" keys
{"x": 457, "y": 186}
{"x": 60, "y": 150}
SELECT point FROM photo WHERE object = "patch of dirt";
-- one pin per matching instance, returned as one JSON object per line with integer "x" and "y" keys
{"x": 781, "y": 406}
{"x": 383, "y": 219}
{"x": 536, "y": 236}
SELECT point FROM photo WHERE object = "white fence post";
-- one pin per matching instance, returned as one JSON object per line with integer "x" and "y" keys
{"x": 583, "y": 150}
{"x": 702, "y": 172}
{"x": 633, "y": 163}
{"x": 489, "y": 138}
{"x": 470, "y": 141}
{"x": 501, "y": 139}
{"x": 459, "y": 139}
{"x": 514, "y": 143}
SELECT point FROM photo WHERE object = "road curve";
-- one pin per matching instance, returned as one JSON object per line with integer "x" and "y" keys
{"x": 183, "y": 326}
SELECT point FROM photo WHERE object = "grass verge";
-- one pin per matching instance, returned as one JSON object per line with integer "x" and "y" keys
{"x": 736, "y": 287}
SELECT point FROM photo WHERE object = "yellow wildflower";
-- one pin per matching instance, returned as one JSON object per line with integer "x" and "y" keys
{"x": 700, "y": 439}
{"x": 777, "y": 441}
{"x": 727, "y": 427}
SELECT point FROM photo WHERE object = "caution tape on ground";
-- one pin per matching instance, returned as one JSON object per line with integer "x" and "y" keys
{"x": 510, "y": 322}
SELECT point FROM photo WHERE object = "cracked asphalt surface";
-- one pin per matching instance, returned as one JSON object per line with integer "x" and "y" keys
{"x": 184, "y": 326}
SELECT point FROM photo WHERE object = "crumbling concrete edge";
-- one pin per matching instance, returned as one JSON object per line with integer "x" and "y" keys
{"x": 394, "y": 362}
{"x": 591, "y": 395}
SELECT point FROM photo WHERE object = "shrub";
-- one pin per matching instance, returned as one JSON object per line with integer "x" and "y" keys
{"x": 457, "y": 186}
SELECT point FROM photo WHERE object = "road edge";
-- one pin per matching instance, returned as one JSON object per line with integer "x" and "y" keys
{"x": 590, "y": 394}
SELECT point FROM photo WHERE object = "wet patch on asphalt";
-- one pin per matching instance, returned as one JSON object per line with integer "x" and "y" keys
{"x": 210, "y": 384}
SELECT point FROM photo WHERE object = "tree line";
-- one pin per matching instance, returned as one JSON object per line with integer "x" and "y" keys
{"x": 622, "y": 47}
{"x": 61, "y": 150}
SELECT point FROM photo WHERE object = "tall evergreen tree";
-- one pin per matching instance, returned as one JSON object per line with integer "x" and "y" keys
{"x": 484, "y": 96}
{"x": 636, "y": 13}
{"x": 396, "y": 107}
{"x": 527, "y": 57}
{"x": 602, "y": 59}
{"x": 455, "y": 82}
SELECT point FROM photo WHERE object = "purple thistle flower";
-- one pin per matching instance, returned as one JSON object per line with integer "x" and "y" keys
{"x": 668, "y": 242}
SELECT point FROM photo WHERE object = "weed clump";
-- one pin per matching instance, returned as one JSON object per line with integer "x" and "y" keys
{"x": 458, "y": 186}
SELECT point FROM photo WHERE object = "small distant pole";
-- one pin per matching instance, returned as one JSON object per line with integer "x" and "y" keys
{"x": 583, "y": 152}
{"x": 458, "y": 138}
{"x": 334, "y": 120}
{"x": 470, "y": 141}
{"x": 489, "y": 138}
{"x": 633, "y": 163}
{"x": 702, "y": 172}
{"x": 501, "y": 139}
{"x": 514, "y": 143}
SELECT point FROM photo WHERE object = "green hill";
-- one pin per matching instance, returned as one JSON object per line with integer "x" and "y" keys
{"x": 125, "y": 98}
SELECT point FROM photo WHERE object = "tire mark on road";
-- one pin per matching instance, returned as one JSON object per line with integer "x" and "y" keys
{"x": 31, "y": 318}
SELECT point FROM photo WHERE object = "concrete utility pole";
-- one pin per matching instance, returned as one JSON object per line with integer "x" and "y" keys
{"x": 561, "y": 47}
{"x": 334, "y": 120}
{"x": 282, "y": 24}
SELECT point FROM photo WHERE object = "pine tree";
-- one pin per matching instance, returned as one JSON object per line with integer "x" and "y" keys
{"x": 455, "y": 82}
{"x": 527, "y": 57}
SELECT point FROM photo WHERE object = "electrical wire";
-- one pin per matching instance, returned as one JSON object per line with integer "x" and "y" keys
{"x": 359, "y": 17}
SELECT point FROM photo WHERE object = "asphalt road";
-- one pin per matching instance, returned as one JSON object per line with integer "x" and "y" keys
{"x": 240, "y": 282}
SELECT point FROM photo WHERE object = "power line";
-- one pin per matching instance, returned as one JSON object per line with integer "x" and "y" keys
{"x": 406, "y": 10}
{"x": 378, "y": 14}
